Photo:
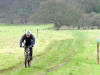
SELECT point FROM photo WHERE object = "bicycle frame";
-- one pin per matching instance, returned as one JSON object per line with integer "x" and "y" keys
{"x": 27, "y": 51}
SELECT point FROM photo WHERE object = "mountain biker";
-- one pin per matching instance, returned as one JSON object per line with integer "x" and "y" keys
{"x": 29, "y": 41}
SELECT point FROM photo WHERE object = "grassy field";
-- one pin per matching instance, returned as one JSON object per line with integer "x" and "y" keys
{"x": 69, "y": 52}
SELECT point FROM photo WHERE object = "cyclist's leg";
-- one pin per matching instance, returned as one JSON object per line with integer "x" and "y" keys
{"x": 25, "y": 56}
{"x": 25, "y": 48}
{"x": 31, "y": 51}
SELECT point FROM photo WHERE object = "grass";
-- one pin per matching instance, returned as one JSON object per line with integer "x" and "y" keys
{"x": 70, "y": 52}
{"x": 9, "y": 46}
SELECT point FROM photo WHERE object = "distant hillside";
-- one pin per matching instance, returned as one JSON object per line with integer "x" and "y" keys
{"x": 74, "y": 13}
{"x": 17, "y": 11}
{"x": 80, "y": 13}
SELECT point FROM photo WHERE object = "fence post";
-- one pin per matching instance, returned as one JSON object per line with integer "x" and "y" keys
{"x": 37, "y": 32}
{"x": 97, "y": 50}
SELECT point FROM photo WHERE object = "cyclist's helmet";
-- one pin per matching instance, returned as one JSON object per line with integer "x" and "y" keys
{"x": 28, "y": 32}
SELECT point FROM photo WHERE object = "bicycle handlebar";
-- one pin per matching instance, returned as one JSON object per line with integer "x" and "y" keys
{"x": 27, "y": 46}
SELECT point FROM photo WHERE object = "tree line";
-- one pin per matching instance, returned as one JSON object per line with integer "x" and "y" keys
{"x": 81, "y": 13}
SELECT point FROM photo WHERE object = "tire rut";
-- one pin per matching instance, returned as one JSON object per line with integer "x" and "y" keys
{"x": 61, "y": 64}
{"x": 18, "y": 65}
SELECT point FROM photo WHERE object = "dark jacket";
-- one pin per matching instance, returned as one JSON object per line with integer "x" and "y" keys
{"x": 28, "y": 41}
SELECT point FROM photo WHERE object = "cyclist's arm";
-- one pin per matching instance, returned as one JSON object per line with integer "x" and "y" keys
{"x": 33, "y": 41}
{"x": 22, "y": 39}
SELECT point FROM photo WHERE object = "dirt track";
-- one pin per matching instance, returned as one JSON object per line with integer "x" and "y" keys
{"x": 18, "y": 65}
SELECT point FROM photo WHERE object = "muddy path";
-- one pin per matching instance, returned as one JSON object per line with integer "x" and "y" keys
{"x": 18, "y": 65}
{"x": 64, "y": 62}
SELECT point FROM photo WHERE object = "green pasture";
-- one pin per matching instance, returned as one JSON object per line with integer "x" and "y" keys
{"x": 63, "y": 52}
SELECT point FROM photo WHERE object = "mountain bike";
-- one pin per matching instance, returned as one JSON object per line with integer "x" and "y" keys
{"x": 27, "y": 56}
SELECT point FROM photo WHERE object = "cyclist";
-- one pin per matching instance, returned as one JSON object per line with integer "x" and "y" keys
{"x": 29, "y": 42}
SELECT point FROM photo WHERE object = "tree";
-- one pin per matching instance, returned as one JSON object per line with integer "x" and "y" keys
{"x": 59, "y": 12}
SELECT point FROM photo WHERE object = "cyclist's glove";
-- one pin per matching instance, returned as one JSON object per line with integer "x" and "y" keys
{"x": 31, "y": 46}
{"x": 20, "y": 45}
